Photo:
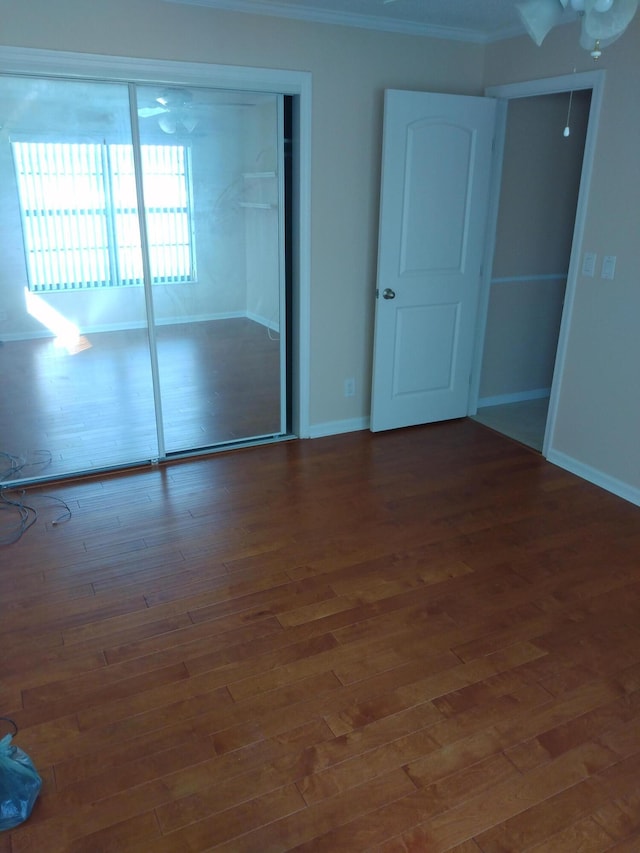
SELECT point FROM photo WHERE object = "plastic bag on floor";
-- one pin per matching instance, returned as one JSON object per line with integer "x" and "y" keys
{"x": 19, "y": 782}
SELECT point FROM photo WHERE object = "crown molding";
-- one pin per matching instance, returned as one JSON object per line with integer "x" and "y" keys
{"x": 370, "y": 22}
{"x": 30, "y": 61}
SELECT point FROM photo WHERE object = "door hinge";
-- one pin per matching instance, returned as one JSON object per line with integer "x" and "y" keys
{"x": 377, "y": 293}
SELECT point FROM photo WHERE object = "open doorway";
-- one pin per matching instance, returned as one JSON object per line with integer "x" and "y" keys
{"x": 541, "y": 178}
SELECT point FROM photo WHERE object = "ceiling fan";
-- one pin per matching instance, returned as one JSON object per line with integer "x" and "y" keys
{"x": 603, "y": 21}
{"x": 174, "y": 110}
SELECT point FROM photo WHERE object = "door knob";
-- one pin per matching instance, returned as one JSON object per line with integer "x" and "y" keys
{"x": 387, "y": 293}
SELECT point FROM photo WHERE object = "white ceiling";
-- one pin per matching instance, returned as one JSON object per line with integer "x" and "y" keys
{"x": 463, "y": 20}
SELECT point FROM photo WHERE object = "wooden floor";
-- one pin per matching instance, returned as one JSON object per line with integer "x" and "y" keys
{"x": 423, "y": 640}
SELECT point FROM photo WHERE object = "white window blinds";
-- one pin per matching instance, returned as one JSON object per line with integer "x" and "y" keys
{"x": 80, "y": 214}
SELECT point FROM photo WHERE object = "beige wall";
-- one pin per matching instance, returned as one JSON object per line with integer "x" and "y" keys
{"x": 350, "y": 68}
{"x": 599, "y": 416}
{"x": 540, "y": 180}
{"x": 598, "y": 423}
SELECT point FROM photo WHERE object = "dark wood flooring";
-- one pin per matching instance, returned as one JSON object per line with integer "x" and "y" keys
{"x": 93, "y": 408}
{"x": 423, "y": 640}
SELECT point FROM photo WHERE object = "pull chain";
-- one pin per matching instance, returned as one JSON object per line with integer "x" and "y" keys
{"x": 567, "y": 129}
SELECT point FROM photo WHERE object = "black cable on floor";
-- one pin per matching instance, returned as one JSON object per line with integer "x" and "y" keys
{"x": 13, "y": 502}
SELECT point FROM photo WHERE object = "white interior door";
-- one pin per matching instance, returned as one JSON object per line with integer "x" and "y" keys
{"x": 436, "y": 168}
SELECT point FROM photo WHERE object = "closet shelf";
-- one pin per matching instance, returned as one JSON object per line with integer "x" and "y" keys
{"x": 258, "y": 205}
{"x": 256, "y": 175}
{"x": 260, "y": 190}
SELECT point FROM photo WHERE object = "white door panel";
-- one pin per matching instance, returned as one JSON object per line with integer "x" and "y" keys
{"x": 436, "y": 191}
{"x": 435, "y": 182}
{"x": 424, "y": 334}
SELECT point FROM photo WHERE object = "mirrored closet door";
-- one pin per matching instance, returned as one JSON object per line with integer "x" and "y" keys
{"x": 142, "y": 294}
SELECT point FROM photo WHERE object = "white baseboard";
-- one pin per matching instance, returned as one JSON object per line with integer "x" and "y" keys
{"x": 518, "y": 397}
{"x": 12, "y": 337}
{"x": 592, "y": 475}
{"x": 338, "y": 427}
{"x": 133, "y": 324}
{"x": 263, "y": 321}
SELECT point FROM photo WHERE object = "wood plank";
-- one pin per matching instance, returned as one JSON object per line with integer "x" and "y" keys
{"x": 422, "y": 640}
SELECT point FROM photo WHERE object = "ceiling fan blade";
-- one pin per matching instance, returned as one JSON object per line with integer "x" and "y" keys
{"x": 168, "y": 123}
{"x": 148, "y": 112}
{"x": 188, "y": 121}
{"x": 540, "y": 16}
{"x": 608, "y": 24}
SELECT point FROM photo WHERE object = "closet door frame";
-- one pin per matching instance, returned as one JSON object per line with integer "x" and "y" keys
{"x": 36, "y": 62}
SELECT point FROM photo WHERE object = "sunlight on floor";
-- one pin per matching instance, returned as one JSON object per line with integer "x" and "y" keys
{"x": 67, "y": 334}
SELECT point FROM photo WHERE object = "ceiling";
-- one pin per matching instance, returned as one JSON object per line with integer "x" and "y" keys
{"x": 462, "y": 20}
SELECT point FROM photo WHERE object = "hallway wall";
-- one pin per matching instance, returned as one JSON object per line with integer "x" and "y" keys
{"x": 540, "y": 181}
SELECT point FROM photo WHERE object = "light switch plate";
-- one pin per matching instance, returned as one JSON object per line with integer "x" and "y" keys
{"x": 589, "y": 264}
{"x": 608, "y": 267}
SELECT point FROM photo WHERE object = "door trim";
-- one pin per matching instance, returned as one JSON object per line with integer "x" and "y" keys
{"x": 36, "y": 62}
{"x": 593, "y": 80}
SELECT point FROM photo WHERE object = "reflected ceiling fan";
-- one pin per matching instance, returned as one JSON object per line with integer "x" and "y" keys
{"x": 174, "y": 109}
{"x": 603, "y": 21}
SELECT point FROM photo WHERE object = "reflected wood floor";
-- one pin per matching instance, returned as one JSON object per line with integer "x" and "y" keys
{"x": 423, "y": 640}
{"x": 93, "y": 408}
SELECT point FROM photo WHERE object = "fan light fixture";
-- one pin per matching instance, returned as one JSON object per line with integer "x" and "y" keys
{"x": 603, "y": 21}
{"x": 174, "y": 111}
